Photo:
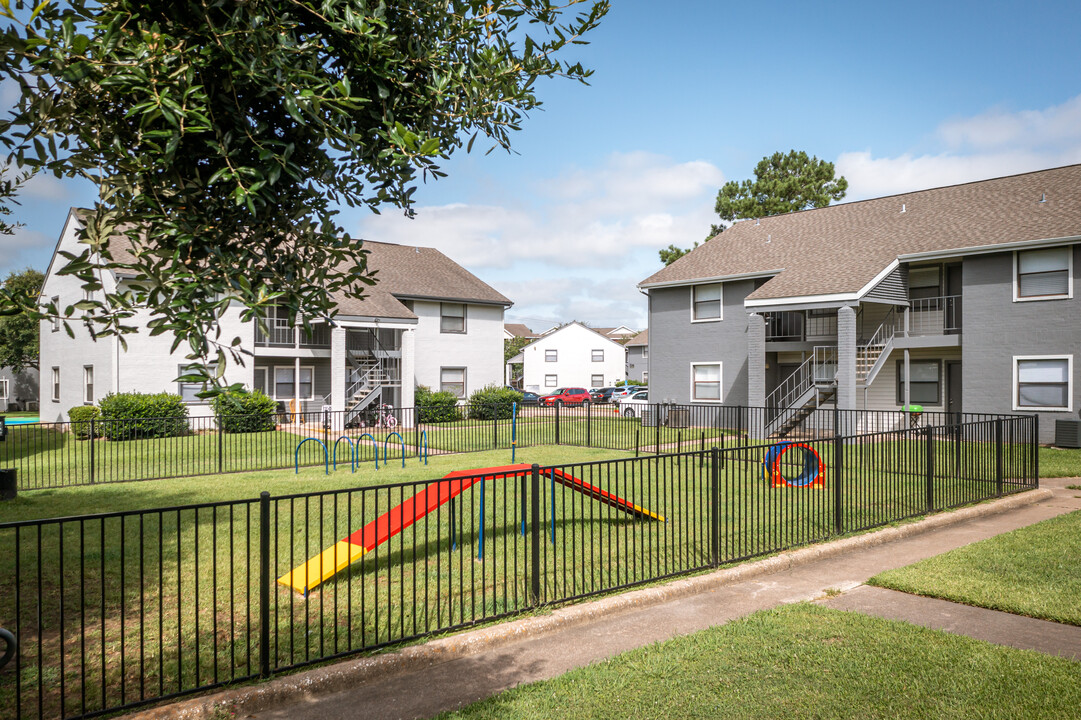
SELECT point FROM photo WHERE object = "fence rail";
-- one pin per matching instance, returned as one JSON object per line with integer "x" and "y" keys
{"x": 117, "y": 610}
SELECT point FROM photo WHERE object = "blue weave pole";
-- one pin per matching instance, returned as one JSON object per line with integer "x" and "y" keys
{"x": 352, "y": 454}
{"x": 386, "y": 440}
{"x": 424, "y": 444}
{"x": 513, "y": 430}
{"x": 326, "y": 455}
{"x": 480, "y": 546}
{"x": 375, "y": 447}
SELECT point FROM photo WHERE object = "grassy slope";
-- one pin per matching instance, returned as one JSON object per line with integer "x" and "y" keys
{"x": 802, "y": 661}
{"x": 1031, "y": 571}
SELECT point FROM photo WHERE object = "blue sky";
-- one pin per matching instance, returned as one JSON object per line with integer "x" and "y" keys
{"x": 687, "y": 95}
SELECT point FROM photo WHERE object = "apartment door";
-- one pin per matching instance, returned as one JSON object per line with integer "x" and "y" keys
{"x": 953, "y": 387}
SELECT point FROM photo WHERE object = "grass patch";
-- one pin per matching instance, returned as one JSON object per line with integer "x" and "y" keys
{"x": 1031, "y": 571}
{"x": 1059, "y": 462}
{"x": 803, "y": 661}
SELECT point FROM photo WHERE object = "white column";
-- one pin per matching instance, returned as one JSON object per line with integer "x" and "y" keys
{"x": 338, "y": 369}
{"x": 409, "y": 343}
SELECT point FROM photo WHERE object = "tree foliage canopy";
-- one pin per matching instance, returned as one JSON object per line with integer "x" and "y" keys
{"x": 782, "y": 184}
{"x": 223, "y": 136}
{"x": 672, "y": 253}
{"x": 19, "y": 332}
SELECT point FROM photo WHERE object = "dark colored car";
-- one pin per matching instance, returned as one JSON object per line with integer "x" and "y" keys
{"x": 528, "y": 398}
{"x": 566, "y": 396}
{"x": 602, "y": 395}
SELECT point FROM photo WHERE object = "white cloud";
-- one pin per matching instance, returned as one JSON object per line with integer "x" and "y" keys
{"x": 24, "y": 247}
{"x": 991, "y": 144}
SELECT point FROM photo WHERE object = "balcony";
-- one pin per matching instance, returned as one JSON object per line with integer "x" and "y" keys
{"x": 933, "y": 316}
{"x": 281, "y": 334}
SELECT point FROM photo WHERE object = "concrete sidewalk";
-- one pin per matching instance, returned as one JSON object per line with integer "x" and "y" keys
{"x": 443, "y": 674}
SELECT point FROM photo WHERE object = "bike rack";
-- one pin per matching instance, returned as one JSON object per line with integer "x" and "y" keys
{"x": 375, "y": 446}
{"x": 423, "y": 445}
{"x": 352, "y": 453}
{"x": 326, "y": 455}
{"x": 386, "y": 440}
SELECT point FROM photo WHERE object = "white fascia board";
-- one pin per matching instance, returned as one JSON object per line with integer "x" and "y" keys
{"x": 834, "y": 300}
{"x": 358, "y": 321}
{"x": 987, "y": 249}
{"x": 706, "y": 280}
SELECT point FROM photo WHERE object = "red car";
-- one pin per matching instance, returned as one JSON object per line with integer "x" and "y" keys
{"x": 566, "y": 396}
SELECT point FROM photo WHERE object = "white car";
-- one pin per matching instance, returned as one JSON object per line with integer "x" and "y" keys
{"x": 631, "y": 406}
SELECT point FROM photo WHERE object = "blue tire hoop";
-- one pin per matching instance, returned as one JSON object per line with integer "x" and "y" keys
{"x": 810, "y": 476}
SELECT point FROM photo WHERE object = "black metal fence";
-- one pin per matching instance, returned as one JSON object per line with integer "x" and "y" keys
{"x": 48, "y": 455}
{"x": 121, "y": 609}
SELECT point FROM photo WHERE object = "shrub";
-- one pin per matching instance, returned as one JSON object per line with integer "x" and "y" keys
{"x": 127, "y": 416}
{"x": 630, "y": 383}
{"x": 493, "y": 403}
{"x": 80, "y": 417}
{"x": 436, "y": 407}
{"x": 245, "y": 412}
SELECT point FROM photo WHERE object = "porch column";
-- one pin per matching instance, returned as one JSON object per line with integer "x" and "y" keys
{"x": 409, "y": 344}
{"x": 846, "y": 364}
{"x": 756, "y": 375}
{"x": 338, "y": 369}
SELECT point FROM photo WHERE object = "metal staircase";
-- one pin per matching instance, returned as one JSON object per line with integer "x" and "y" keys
{"x": 801, "y": 393}
{"x": 871, "y": 356}
{"x": 372, "y": 368}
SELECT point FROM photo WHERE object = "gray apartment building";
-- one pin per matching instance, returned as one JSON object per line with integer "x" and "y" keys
{"x": 958, "y": 298}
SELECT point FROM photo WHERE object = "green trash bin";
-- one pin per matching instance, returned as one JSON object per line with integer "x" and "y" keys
{"x": 914, "y": 412}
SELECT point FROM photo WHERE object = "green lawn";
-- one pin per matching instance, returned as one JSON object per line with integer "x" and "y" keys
{"x": 803, "y": 661}
{"x": 1059, "y": 462}
{"x": 1032, "y": 571}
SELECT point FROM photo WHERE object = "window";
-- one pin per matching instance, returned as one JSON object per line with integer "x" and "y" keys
{"x": 1043, "y": 274}
{"x": 56, "y": 384}
{"x": 284, "y": 388}
{"x": 451, "y": 317}
{"x": 551, "y": 356}
{"x": 188, "y": 390}
{"x": 3, "y": 389}
{"x": 1043, "y": 383}
{"x": 596, "y": 381}
{"x": 706, "y": 302}
{"x": 452, "y": 380}
{"x": 924, "y": 283}
{"x": 551, "y": 381}
{"x": 56, "y": 320}
{"x": 925, "y": 388}
{"x": 706, "y": 382}
{"x": 260, "y": 380}
{"x": 598, "y": 356}
{"x": 88, "y": 384}
{"x": 645, "y": 377}
{"x": 645, "y": 352}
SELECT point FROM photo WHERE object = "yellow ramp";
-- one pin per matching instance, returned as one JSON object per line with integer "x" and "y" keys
{"x": 337, "y": 557}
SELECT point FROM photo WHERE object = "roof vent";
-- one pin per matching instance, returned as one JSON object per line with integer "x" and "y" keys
{"x": 903, "y": 207}
{"x": 758, "y": 221}
{"x": 1043, "y": 197}
{"x": 769, "y": 238}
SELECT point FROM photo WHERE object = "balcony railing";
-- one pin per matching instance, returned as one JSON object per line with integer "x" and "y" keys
{"x": 933, "y": 316}
{"x": 280, "y": 333}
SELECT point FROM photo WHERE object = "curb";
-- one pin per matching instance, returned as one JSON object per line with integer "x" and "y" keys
{"x": 347, "y": 674}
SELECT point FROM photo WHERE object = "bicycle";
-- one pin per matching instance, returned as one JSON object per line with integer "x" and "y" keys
{"x": 380, "y": 417}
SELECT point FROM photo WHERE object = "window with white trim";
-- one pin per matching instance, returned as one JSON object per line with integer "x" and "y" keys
{"x": 645, "y": 351}
{"x": 598, "y": 356}
{"x": 551, "y": 356}
{"x": 706, "y": 382}
{"x": 452, "y": 380}
{"x": 56, "y": 320}
{"x": 56, "y": 384}
{"x": 88, "y": 384}
{"x": 1043, "y": 383}
{"x": 596, "y": 381}
{"x": 1043, "y": 274}
{"x": 286, "y": 386}
{"x": 925, "y": 387}
{"x": 451, "y": 317}
{"x": 188, "y": 390}
{"x": 706, "y": 302}
{"x": 924, "y": 282}
{"x": 3, "y": 389}
{"x": 551, "y": 381}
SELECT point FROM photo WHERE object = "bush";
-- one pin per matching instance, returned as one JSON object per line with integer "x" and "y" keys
{"x": 127, "y": 416}
{"x": 631, "y": 383}
{"x": 436, "y": 407}
{"x": 80, "y": 417}
{"x": 493, "y": 403}
{"x": 245, "y": 412}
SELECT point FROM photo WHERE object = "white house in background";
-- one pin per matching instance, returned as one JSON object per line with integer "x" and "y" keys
{"x": 571, "y": 356}
{"x": 620, "y": 334}
{"x": 518, "y": 330}
{"x": 428, "y": 321}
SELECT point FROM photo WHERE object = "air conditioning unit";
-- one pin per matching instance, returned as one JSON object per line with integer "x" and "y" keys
{"x": 649, "y": 417}
{"x": 1068, "y": 433}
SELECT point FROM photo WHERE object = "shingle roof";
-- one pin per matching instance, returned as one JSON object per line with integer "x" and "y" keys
{"x": 641, "y": 338}
{"x": 402, "y": 271}
{"x": 841, "y": 248}
{"x": 519, "y": 330}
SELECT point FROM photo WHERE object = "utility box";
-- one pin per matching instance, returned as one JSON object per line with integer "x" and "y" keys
{"x": 649, "y": 417}
{"x": 679, "y": 417}
{"x": 1068, "y": 433}
{"x": 9, "y": 486}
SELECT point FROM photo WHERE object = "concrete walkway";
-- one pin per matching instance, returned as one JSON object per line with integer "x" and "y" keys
{"x": 443, "y": 674}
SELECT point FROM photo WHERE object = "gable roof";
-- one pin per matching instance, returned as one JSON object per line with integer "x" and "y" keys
{"x": 842, "y": 249}
{"x": 402, "y": 272}
{"x": 641, "y": 338}
{"x": 519, "y": 330}
{"x": 574, "y": 323}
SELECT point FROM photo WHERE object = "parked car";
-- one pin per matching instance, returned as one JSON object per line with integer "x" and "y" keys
{"x": 528, "y": 398}
{"x": 633, "y": 405}
{"x": 602, "y": 395}
{"x": 625, "y": 391}
{"x": 566, "y": 396}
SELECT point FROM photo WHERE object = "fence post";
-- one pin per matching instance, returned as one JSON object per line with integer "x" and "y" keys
{"x": 221, "y": 443}
{"x": 416, "y": 431}
{"x": 715, "y": 502}
{"x": 637, "y": 439}
{"x": 998, "y": 456}
{"x": 589, "y": 424}
{"x": 1034, "y": 448}
{"x": 557, "y": 404}
{"x": 838, "y": 474}
{"x": 326, "y": 428}
{"x": 93, "y": 434}
{"x": 930, "y": 470}
{"x": 495, "y": 425}
{"x": 264, "y": 584}
{"x": 657, "y": 429}
{"x": 534, "y": 534}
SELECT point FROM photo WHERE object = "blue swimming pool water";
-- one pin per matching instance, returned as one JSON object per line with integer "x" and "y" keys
{"x": 21, "y": 421}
